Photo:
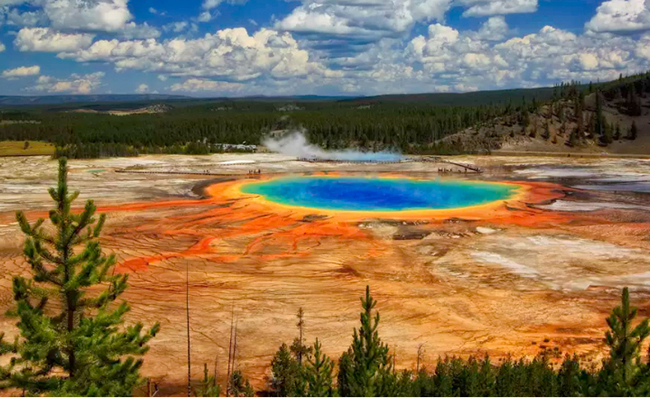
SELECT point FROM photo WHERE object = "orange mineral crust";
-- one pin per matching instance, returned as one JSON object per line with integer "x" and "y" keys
{"x": 498, "y": 278}
{"x": 503, "y": 211}
{"x": 254, "y": 215}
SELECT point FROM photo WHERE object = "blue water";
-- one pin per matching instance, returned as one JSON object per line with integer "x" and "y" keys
{"x": 378, "y": 194}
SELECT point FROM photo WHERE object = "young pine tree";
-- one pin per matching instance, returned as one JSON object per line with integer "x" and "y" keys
{"x": 371, "y": 364}
{"x": 623, "y": 373}
{"x": 71, "y": 341}
{"x": 239, "y": 385}
{"x": 486, "y": 378}
{"x": 286, "y": 375}
{"x": 298, "y": 347}
{"x": 343, "y": 376}
{"x": 319, "y": 374}
{"x": 300, "y": 352}
{"x": 542, "y": 379}
{"x": 209, "y": 386}
{"x": 569, "y": 382}
{"x": 443, "y": 378}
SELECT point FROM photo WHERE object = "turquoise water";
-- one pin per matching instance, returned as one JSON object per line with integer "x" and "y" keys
{"x": 378, "y": 194}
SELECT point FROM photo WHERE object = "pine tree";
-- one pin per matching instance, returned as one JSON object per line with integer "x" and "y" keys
{"x": 572, "y": 140}
{"x": 299, "y": 349}
{"x": 209, "y": 386}
{"x": 468, "y": 383}
{"x": 541, "y": 380}
{"x": 319, "y": 374}
{"x": 623, "y": 369}
{"x": 526, "y": 120}
{"x": 71, "y": 342}
{"x": 599, "y": 121}
{"x": 285, "y": 373}
{"x": 486, "y": 378}
{"x": 343, "y": 376}
{"x": 633, "y": 102}
{"x": 634, "y": 131}
{"x": 547, "y": 132}
{"x": 591, "y": 126}
{"x": 580, "y": 105}
{"x": 239, "y": 385}
{"x": 533, "y": 131}
{"x": 617, "y": 132}
{"x": 443, "y": 379}
{"x": 371, "y": 362}
{"x": 569, "y": 384}
{"x": 606, "y": 137}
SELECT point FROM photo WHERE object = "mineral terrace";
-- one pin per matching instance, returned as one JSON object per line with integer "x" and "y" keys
{"x": 540, "y": 271}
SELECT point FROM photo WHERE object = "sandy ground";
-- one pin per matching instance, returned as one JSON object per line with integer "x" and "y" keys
{"x": 542, "y": 271}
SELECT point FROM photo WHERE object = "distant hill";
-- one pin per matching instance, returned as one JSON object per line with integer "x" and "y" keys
{"x": 292, "y": 98}
{"x": 612, "y": 117}
{"x": 474, "y": 98}
{"x": 131, "y": 101}
{"x": 106, "y": 102}
{"x": 17, "y": 100}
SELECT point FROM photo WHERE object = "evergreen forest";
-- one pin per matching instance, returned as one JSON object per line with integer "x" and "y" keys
{"x": 415, "y": 124}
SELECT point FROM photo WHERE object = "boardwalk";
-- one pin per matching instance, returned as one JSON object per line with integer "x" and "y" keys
{"x": 430, "y": 159}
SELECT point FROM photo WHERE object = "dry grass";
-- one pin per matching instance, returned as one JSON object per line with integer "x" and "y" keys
{"x": 17, "y": 148}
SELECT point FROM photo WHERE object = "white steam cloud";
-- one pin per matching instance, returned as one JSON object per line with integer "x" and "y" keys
{"x": 296, "y": 144}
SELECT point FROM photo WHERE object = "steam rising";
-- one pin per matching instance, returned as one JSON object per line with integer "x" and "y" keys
{"x": 296, "y": 144}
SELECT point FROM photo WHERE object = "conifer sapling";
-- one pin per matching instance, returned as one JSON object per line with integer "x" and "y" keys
{"x": 71, "y": 337}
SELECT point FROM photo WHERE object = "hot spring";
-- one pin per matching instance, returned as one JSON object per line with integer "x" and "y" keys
{"x": 378, "y": 194}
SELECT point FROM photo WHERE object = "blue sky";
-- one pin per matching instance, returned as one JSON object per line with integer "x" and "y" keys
{"x": 327, "y": 47}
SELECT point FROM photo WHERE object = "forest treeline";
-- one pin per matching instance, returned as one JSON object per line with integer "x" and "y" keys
{"x": 403, "y": 127}
{"x": 367, "y": 368}
{"x": 71, "y": 338}
{"x": 410, "y": 124}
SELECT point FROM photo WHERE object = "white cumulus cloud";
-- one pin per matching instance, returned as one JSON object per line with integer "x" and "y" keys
{"x": 75, "y": 84}
{"x": 361, "y": 20}
{"x": 22, "y": 71}
{"x": 12, "y": 2}
{"x": 210, "y": 4}
{"x": 621, "y": 16}
{"x": 75, "y": 16}
{"x": 356, "y": 46}
{"x": 176, "y": 27}
{"x": 481, "y": 8}
{"x": 473, "y": 59}
{"x": 194, "y": 85}
{"x": 205, "y": 16}
{"x": 231, "y": 54}
{"x": 143, "y": 31}
{"x": 94, "y": 15}
{"x": 495, "y": 28}
{"x": 143, "y": 88}
{"x": 16, "y": 17}
{"x": 48, "y": 40}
